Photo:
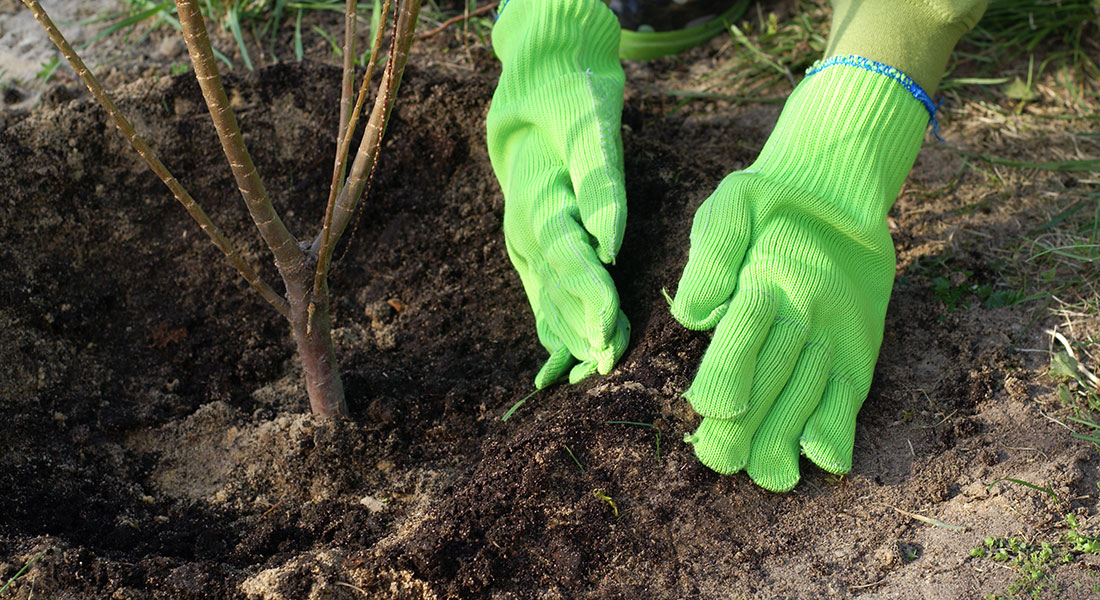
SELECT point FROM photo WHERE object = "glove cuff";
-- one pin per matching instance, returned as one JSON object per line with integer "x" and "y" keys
{"x": 849, "y": 132}
{"x": 915, "y": 36}
{"x": 539, "y": 41}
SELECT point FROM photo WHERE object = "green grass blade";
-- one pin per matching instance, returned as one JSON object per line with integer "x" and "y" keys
{"x": 1044, "y": 490}
{"x": 223, "y": 58}
{"x": 1060, "y": 217}
{"x": 574, "y": 457}
{"x": 21, "y": 571}
{"x": 336, "y": 49}
{"x": 233, "y": 20}
{"x": 515, "y": 407}
{"x": 174, "y": 23}
{"x": 929, "y": 520}
{"x": 273, "y": 26}
{"x": 127, "y": 22}
{"x": 298, "y": 36}
{"x": 375, "y": 18}
{"x": 759, "y": 54}
{"x": 632, "y": 423}
{"x": 960, "y": 81}
{"x": 49, "y": 67}
{"x": 638, "y": 424}
{"x": 1084, "y": 422}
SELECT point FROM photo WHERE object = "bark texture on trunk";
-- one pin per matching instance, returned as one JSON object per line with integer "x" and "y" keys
{"x": 311, "y": 325}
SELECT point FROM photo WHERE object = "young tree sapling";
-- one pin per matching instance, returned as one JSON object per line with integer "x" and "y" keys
{"x": 302, "y": 265}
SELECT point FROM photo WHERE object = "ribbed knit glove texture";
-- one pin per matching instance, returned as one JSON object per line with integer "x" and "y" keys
{"x": 555, "y": 146}
{"x": 792, "y": 261}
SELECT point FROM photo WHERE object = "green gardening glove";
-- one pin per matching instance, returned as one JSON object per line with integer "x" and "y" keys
{"x": 555, "y": 146}
{"x": 792, "y": 261}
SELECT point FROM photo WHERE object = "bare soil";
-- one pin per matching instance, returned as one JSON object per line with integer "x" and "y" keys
{"x": 157, "y": 445}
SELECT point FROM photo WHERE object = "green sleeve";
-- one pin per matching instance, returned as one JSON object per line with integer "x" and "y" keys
{"x": 914, "y": 36}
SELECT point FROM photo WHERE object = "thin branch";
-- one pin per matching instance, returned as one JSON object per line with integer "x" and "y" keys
{"x": 289, "y": 257}
{"x": 364, "y": 90}
{"x": 216, "y": 236}
{"x": 347, "y": 86}
{"x": 323, "y": 245}
{"x": 366, "y": 156}
{"x": 456, "y": 19}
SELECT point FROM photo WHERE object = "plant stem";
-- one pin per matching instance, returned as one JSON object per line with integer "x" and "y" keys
{"x": 309, "y": 317}
{"x": 311, "y": 326}
{"x": 366, "y": 157}
{"x": 325, "y": 243}
{"x": 289, "y": 257}
{"x": 142, "y": 147}
{"x": 347, "y": 85}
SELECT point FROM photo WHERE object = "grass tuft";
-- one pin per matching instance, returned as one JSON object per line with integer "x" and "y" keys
{"x": 765, "y": 57}
{"x": 1013, "y": 28}
{"x": 252, "y": 24}
{"x": 1035, "y": 563}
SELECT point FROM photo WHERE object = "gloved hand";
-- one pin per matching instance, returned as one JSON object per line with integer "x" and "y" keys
{"x": 555, "y": 146}
{"x": 792, "y": 260}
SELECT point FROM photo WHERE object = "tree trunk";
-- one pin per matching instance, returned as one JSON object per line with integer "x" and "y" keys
{"x": 311, "y": 326}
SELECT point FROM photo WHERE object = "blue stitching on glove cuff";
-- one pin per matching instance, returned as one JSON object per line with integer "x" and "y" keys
{"x": 906, "y": 82}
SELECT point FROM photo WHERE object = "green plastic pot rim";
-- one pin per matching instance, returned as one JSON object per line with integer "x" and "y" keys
{"x": 645, "y": 46}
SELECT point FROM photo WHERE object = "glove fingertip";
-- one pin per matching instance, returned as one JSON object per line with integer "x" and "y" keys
{"x": 779, "y": 483}
{"x": 717, "y": 446}
{"x": 608, "y": 240}
{"x": 609, "y": 336}
{"x": 826, "y": 455}
{"x": 554, "y": 368}
{"x": 582, "y": 371}
{"x": 828, "y": 439}
{"x": 614, "y": 350}
{"x": 775, "y": 472}
{"x": 605, "y": 256}
{"x": 603, "y": 360}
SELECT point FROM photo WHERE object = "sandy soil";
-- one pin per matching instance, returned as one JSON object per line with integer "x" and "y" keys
{"x": 156, "y": 444}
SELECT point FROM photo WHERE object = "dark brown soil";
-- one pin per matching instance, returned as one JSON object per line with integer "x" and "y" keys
{"x": 155, "y": 443}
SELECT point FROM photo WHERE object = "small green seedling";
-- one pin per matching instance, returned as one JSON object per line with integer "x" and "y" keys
{"x": 1078, "y": 389}
{"x": 1035, "y": 562}
{"x": 303, "y": 265}
{"x": 511, "y": 411}
{"x": 602, "y": 496}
